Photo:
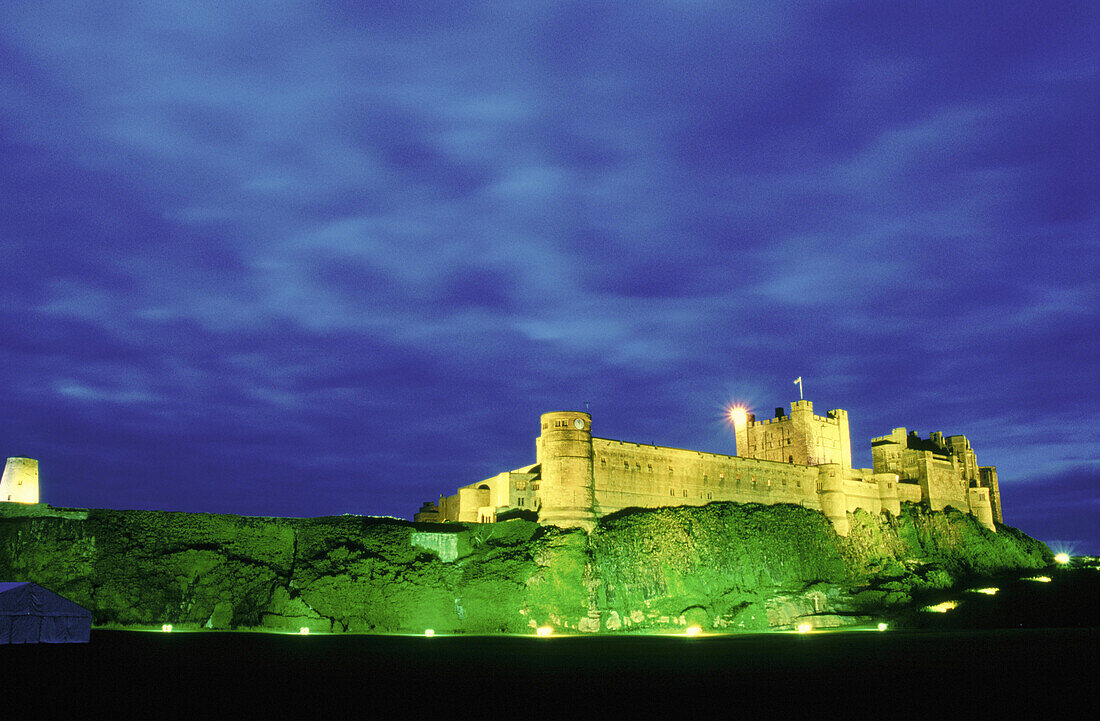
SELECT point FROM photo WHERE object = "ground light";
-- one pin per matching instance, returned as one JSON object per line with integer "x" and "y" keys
{"x": 986, "y": 591}
{"x": 1062, "y": 558}
{"x": 692, "y": 631}
{"x": 1039, "y": 579}
{"x": 804, "y": 628}
{"x": 303, "y": 631}
{"x": 882, "y": 627}
{"x": 942, "y": 607}
{"x": 429, "y": 632}
{"x": 544, "y": 631}
{"x": 166, "y": 627}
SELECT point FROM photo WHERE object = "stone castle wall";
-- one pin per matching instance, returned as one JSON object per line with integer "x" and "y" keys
{"x": 798, "y": 458}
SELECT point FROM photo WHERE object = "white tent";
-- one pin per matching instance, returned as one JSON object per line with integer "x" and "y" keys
{"x": 32, "y": 614}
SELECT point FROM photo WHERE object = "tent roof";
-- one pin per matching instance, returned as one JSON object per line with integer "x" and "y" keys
{"x": 26, "y": 599}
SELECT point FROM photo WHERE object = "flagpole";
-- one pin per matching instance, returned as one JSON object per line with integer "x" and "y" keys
{"x": 798, "y": 380}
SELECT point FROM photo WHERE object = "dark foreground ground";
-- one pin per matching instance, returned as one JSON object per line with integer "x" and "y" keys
{"x": 1024, "y": 654}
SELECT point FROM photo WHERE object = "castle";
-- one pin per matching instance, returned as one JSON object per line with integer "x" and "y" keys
{"x": 796, "y": 457}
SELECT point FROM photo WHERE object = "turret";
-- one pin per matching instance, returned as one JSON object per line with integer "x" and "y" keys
{"x": 19, "y": 484}
{"x": 888, "y": 492}
{"x": 566, "y": 488}
{"x": 834, "y": 501}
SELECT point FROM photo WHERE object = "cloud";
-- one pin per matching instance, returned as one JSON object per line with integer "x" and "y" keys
{"x": 319, "y": 239}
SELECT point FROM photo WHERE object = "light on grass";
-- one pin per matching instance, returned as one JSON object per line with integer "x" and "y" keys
{"x": 987, "y": 591}
{"x": 544, "y": 631}
{"x": 882, "y": 627}
{"x": 1039, "y": 579}
{"x": 942, "y": 607}
{"x": 1062, "y": 558}
{"x": 805, "y": 628}
{"x": 303, "y": 631}
{"x": 166, "y": 627}
{"x": 429, "y": 632}
{"x": 692, "y": 631}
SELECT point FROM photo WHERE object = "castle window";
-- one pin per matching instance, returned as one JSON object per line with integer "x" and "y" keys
{"x": 519, "y": 501}
{"x": 708, "y": 496}
{"x": 671, "y": 492}
{"x": 721, "y": 475}
{"x": 754, "y": 484}
{"x": 521, "y": 485}
{"x": 534, "y": 486}
{"x": 603, "y": 461}
{"x": 649, "y": 467}
{"x": 704, "y": 478}
{"x": 670, "y": 470}
{"x": 685, "y": 493}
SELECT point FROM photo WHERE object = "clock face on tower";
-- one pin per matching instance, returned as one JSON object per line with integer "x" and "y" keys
{"x": 578, "y": 424}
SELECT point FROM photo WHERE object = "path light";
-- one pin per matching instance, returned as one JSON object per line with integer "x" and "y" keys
{"x": 882, "y": 627}
{"x": 987, "y": 591}
{"x": 166, "y": 627}
{"x": 1062, "y": 558}
{"x": 692, "y": 631}
{"x": 303, "y": 631}
{"x": 805, "y": 628}
{"x": 544, "y": 631}
{"x": 1039, "y": 579}
{"x": 429, "y": 632}
{"x": 942, "y": 607}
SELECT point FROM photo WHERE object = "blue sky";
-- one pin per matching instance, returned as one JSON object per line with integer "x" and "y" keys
{"x": 315, "y": 258}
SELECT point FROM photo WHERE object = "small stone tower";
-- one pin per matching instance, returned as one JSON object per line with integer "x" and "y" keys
{"x": 19, "y": 484}
{"x": 567, "y": 487}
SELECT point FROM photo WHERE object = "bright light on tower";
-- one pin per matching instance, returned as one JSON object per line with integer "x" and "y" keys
{"x": 739, "y": 416}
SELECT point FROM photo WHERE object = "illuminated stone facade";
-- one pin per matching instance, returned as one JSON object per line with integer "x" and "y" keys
{"x": 19, "y": 484}
{"x": 797, "y": 457}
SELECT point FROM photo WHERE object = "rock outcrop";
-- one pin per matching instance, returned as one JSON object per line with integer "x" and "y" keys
{"x": 723, "y": 566}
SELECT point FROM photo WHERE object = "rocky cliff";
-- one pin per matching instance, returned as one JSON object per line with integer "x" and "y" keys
{"x": 721, "y": 566}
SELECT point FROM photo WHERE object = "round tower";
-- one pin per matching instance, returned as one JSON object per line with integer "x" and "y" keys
{"x": 566, "y": 488}
{"x": 981, "y": 507}
{"x": 19, "y": 484}
{"x": 834, "y": 501}
{"x": 888, "y": 492}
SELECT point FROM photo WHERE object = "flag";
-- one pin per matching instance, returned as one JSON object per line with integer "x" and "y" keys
{"x": 798, "y": 379}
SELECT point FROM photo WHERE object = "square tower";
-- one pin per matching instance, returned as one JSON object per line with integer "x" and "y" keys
{"x": 799, "y": 437}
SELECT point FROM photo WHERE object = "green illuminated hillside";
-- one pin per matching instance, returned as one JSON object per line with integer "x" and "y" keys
{"x": 721, "y": 566}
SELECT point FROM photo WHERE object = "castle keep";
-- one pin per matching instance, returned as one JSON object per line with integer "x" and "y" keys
{"x": 796, "y": 457}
